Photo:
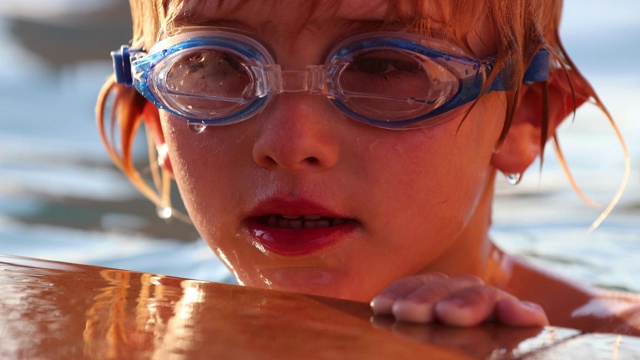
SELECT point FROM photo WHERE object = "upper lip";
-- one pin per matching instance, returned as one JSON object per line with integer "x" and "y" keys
{"x": 292, "y": 207}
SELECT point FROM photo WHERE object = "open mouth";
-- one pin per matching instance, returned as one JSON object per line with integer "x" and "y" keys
{"x": 300, "y": 221}
{"x": 295, "y": 235}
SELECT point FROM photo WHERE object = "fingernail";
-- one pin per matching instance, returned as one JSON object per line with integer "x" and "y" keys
{"x": 410, "y": 311}
{"x": 382, "y": 304}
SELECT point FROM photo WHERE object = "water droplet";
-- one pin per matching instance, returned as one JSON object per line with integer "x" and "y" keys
{"x": 163, "y": 153}
{"x": 164, "y": 212}
{"x": 197, "y": 128}
{"x": 513, "y": 178}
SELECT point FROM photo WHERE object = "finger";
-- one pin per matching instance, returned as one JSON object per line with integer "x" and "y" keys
{"x": 511, "y": 311}
{"x": 418, "y": 305}
{"x": 383, "y": 302}
{"x": 474, "y": 305}
{"x": 468, "y": 307}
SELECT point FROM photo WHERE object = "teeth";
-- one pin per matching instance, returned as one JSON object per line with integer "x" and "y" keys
{"x": 310, "y": 224}
{"x": 299, "y": 222}
{"x": 289, "y": 223}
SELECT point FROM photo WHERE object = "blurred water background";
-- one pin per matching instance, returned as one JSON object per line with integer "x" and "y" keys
{"x": 62, "y": 199}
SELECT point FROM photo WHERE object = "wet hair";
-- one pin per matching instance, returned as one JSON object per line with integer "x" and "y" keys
{"x": 520, "y": 28}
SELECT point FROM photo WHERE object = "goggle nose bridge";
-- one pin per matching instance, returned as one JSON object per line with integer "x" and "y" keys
{"x": 314, "y": 79}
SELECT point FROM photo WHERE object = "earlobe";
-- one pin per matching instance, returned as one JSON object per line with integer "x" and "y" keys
{"x": 151, "y": 119}
{"x": 564, "y": 92}
{"x": 519, "y": 149}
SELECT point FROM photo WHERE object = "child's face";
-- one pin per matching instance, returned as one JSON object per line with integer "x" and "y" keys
{"x": 407, "y": 200}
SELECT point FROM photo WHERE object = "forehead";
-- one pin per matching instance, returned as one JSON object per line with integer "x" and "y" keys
{"x": 302, "y": 12}
{"x": 457, "y": 20}
{"x": 314, "y": 9}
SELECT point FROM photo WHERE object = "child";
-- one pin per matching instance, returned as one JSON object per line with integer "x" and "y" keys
{"x": 349, "y": 148}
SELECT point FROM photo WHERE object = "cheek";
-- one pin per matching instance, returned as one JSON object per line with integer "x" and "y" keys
{"x": 210, "y": 170}
{"x": 438, "y": 179}
{"x": 202, "y": 164}
{"x": 435, "y": 177}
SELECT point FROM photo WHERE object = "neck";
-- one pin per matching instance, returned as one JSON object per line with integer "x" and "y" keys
{"x": 474, "y": 252}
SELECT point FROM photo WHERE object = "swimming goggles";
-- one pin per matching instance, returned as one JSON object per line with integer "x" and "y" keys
{"x": 392, "y": 80}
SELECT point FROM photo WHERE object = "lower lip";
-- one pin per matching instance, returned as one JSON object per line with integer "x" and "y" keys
{"x": 297, "y": 242}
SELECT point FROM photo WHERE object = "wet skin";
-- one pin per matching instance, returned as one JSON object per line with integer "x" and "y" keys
{"x": 409, "y": 201}
{"x": 302, "y": 198}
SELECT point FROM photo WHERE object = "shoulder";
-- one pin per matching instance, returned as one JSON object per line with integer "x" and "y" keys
{"x": 611, "y": 311}
{"x": 569, "y": 303}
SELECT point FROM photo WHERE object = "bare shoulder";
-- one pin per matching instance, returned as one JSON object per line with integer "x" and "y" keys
{"x": 612, "y": 311}
{"x": 572, "y": 304}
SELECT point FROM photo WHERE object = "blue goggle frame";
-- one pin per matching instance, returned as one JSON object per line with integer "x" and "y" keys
{"x": 132, "y": 67}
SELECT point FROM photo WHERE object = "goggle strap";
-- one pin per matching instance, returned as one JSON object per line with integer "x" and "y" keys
{"x": 122, "y": 65}
{"x": 538, "y": 70}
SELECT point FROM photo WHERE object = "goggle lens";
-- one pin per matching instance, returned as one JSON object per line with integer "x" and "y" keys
{"x": 204, "y": 82}
{"x": 393, "y": 84}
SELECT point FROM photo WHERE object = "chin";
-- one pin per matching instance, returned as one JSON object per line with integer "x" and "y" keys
{"x": 310, "y": 281}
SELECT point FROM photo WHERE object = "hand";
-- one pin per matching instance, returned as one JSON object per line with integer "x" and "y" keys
{"x": 459, "y": 301}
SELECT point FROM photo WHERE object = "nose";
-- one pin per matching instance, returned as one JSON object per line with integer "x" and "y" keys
{"x": 298, "y": 133}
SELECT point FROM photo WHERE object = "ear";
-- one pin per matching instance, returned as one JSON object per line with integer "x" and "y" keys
{"x": 566, "y": 91}
{"x": 151, "y": 119}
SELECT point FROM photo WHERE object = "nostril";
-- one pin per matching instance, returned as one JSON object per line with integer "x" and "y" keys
{"x": 269, "y": 161}
{"x": 313, "y": 161}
